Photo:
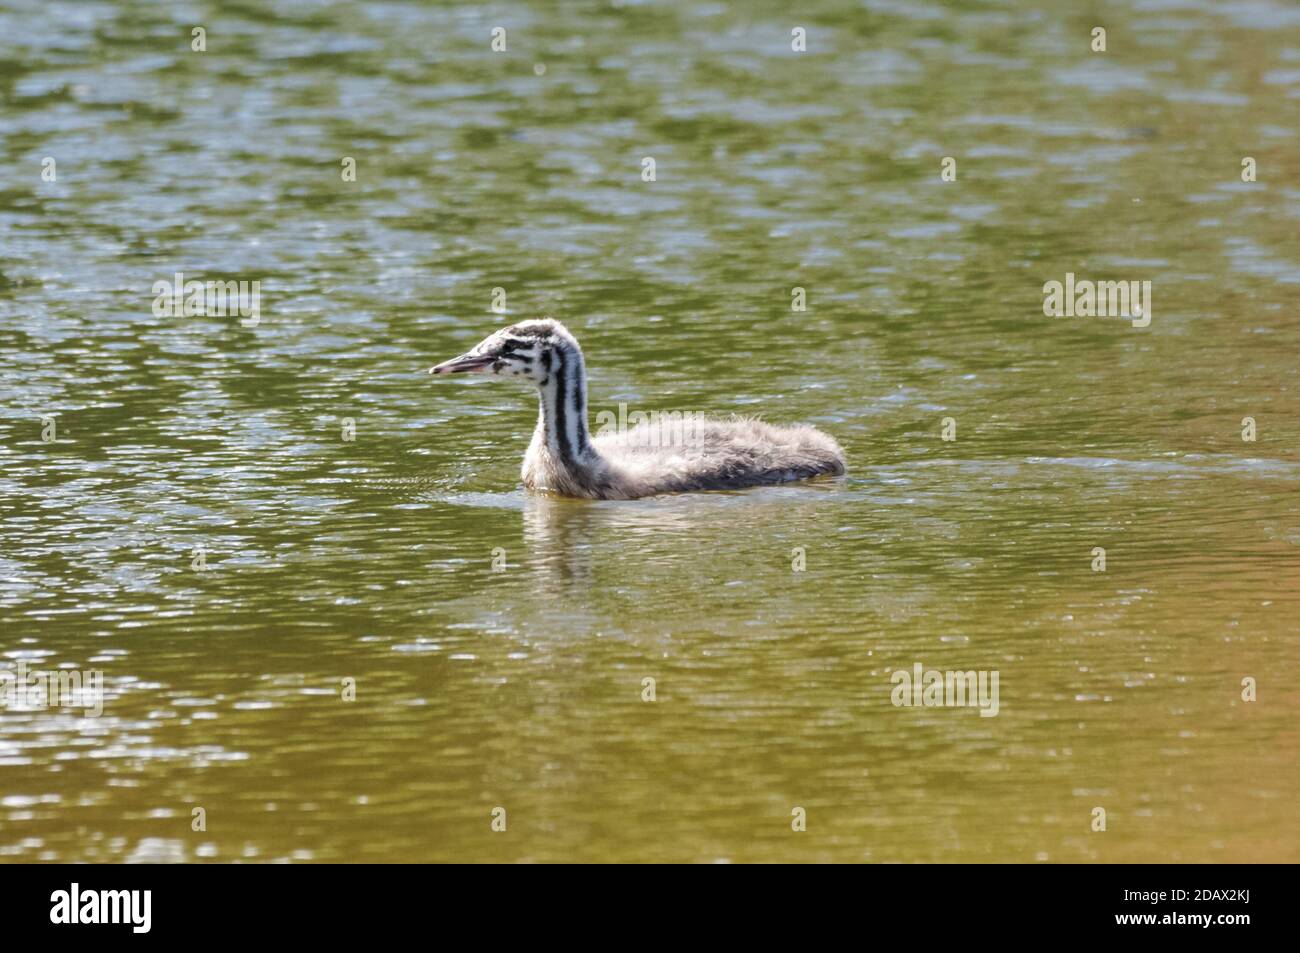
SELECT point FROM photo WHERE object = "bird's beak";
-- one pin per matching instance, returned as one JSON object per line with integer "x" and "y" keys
{"x": 466, "y": 363}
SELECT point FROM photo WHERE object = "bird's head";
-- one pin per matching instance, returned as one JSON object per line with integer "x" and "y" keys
{"x": 528, "y": 350}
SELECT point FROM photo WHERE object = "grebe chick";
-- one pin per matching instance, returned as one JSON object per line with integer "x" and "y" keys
{"x": 565, "y": 458}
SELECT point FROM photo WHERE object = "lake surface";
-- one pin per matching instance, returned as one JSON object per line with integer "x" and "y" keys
{"x": 521, "y": 687}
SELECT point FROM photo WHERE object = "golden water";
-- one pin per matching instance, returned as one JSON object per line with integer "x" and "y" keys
{"x": 372, "y": 559}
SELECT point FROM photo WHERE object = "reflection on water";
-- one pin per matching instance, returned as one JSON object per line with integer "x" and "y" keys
{"x": 200, "y": 530}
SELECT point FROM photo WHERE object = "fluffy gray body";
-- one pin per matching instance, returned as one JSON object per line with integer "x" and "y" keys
{"x": 706, "y": 454}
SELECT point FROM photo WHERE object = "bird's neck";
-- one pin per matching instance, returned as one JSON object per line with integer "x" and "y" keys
{"x": 562, "y": 419}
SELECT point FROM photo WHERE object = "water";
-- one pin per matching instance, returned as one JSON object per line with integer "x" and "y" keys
{"x": 371, "y": 559}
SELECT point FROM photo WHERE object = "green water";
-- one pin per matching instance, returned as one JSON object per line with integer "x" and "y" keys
{"x": 372, "y": 559}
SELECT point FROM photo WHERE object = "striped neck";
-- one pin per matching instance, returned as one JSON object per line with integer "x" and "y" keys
{"x": 562, "y": 419}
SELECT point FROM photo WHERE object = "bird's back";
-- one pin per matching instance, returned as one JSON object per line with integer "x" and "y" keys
{"x": 715, "y": 454}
